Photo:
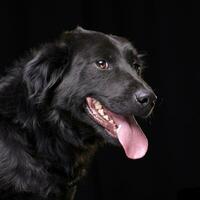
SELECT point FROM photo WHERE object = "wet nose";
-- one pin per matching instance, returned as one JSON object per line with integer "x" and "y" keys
{"x": 145, "y": 98}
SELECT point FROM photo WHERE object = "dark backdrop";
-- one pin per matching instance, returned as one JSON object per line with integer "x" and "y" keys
{"x": 167, "y": 32}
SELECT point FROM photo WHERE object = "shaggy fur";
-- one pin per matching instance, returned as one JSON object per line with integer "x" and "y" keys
{"x": 46, "y": 135}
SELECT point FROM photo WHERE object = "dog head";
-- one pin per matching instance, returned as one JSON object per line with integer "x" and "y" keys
{"x": 97, "y": 79}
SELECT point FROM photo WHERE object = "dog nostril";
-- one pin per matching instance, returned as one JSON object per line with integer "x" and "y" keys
{"x": 142, "y": 99}
{"x": 145, "y": 98}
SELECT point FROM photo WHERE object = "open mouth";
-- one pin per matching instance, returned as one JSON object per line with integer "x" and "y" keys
{"x": 125, "y": 129}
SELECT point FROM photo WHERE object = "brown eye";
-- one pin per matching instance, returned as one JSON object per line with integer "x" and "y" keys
{"x": 102, "y": 64}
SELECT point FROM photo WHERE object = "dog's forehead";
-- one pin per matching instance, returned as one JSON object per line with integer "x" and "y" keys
{"x": 123, "y": 43}
{"x": 100, "y": 42}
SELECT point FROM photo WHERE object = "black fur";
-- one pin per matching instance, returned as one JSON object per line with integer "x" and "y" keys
{"x": 46, "y": 135}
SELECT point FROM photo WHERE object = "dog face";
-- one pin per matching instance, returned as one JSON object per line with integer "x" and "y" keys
{"x": 108, "y": 69}
{"x": 101, "y": 86}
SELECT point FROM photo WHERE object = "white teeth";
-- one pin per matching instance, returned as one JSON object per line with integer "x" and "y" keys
{"x": 101, "y": 112}
{"x": 111, "y": 121}
{"x": 106, "y": 117}
{"x": 97, "y": 103}
{"x": 98, "y": 106}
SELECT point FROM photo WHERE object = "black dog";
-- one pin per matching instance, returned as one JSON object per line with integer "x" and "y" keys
{"x": 59, "y": 104}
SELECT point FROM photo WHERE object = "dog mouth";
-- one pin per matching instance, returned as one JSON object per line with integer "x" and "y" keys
{"x": 125, "y": 129}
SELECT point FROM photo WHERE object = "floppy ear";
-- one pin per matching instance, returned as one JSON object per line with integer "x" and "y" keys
{"x": 45, "y": 69}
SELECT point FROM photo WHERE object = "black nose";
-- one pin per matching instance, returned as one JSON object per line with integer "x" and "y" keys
{"x": 145, "y": 98}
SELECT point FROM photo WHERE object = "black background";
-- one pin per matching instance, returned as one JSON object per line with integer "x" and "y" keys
{"x": 167, "y": 32}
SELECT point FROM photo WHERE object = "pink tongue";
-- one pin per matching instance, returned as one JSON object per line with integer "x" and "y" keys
{"x": 131, "y": 137}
